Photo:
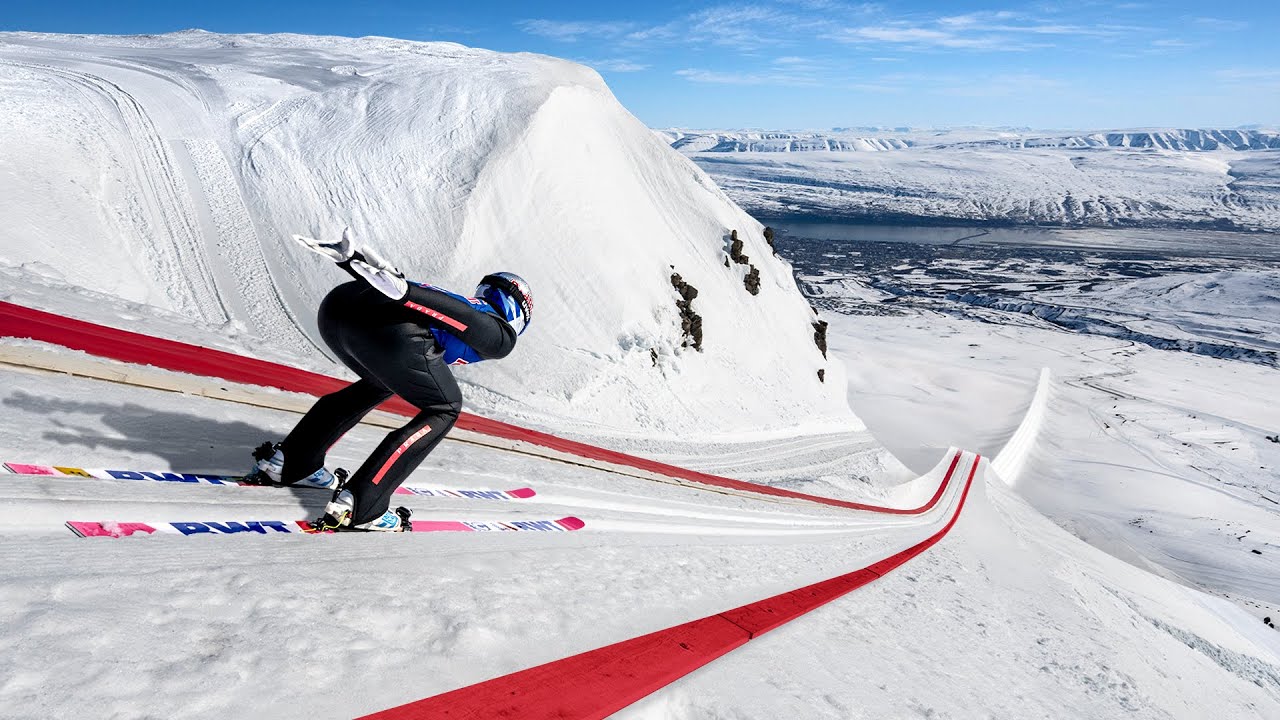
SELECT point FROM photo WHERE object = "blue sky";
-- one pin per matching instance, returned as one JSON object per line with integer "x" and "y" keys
{"x": 792, "y": 64}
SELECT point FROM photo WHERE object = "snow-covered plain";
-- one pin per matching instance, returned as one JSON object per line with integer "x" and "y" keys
{"x": 147, "y": 183}
{"x": 1149, "y": 178}
{"x": 1156, "y": 445}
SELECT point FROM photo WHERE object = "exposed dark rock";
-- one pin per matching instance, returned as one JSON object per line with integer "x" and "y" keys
{"x": 822, "y": 375}
{"x": 752, "y": 281}
{"x": 820, "y": 336}
{"x": 735, "y": 249}
{"x": 690, "y": 321}
{"x": 768, "y": 237}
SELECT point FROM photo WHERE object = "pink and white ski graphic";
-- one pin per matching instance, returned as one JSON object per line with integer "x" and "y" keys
{"x": 235, "y": 481}
{"x": 116, "y": 529}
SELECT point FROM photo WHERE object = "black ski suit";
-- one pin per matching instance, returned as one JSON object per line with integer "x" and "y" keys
{"x": 389, "y": 344}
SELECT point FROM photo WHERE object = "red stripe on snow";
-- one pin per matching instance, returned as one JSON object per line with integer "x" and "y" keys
{"x": 22, "y": 322}
{"x": 598, "y": 683}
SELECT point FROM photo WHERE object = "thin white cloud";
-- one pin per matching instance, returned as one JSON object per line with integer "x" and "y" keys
{"x": 834, "y": 6}
{"x": 1249, "y": 75}
{"x": 435, "y": 31}
{"x": 1006, "y": 21}
{"x": 716, "y": 77}
{"x": 1221, "y": 24}
{"x": 745, "y": 27}
{"x": 975, "y": 19}
{"x": 654, "y": 34}
{"x": 573, "y": 30}
{"x": 1002, "y": 30}
{"x": 914, "y": 37}
{"x": 807, "y": 66}
{"x": 1168, "y": 44}
{"x": 773, "y": 27}
{"x": 617, "y": 65}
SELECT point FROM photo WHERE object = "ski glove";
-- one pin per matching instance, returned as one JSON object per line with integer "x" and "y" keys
{"x": 383, "y": 276}
{"x": 339, "y": 251}
{"x": 365, "y": 264}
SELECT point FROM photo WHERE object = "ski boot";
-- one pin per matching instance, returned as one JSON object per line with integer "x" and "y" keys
{"x": 337, "y": 517}
{"x": 269, "y": 464}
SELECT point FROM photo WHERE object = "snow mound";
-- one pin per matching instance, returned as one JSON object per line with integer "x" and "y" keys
{"x": 168, "y": 172}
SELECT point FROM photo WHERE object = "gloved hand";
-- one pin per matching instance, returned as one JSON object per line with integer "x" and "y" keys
{"x": 367, "y": 264}
{"x": 383, "y": 276}
{"x": 337, "y": 251}
{"x": 373, "y": 259}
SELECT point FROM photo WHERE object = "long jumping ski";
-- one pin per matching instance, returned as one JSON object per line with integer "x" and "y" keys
{"x": 114, "y": 529}
{"x": 238, "y": 481}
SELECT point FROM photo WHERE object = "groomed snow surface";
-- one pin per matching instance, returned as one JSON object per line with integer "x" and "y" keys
{"x": 147, "y": 183}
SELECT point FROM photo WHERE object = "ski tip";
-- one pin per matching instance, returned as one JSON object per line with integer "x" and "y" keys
{"x": 571, "y": 523}
{"x": 81, "y": 529}
{"x": 25, "y": 469}
{"x": 108, "y": 529}
{"x": 522, "y": 493}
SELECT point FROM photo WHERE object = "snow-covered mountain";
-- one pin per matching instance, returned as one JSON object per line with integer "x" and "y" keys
{"x": 182, "y": 163}
{"x": 1156, "y": 178}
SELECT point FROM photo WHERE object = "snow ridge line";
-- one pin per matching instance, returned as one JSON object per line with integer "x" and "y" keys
{"x": 600, "y": 682}
{"x": 1013, "y": 456}
{"x": 21, "y": 322}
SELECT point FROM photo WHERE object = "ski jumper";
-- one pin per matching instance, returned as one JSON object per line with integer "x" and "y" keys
{"x": 402, "y": 347}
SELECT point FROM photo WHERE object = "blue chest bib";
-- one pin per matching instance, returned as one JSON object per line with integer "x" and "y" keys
{"x": 457, "y": 352}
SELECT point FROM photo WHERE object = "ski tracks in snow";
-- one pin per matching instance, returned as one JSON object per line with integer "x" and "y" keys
{"x": 197, "y": 234}
{"x": 255, "y": 299}
{"x": 173, "y": 242}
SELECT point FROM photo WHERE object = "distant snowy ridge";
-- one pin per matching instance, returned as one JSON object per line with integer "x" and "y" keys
{"x": 164, "y": 174}
{"x": 1223, "y": 179}
{"x": 784, "y": 142}
{"x": 1187, "y": 140}
{"x": 1191, "y": 140}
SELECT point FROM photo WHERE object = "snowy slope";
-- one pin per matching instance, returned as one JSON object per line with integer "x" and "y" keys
{"x": 180, "y": 164}
{"x": 1008, "y": 616}
{"x": 1151, "y": 178}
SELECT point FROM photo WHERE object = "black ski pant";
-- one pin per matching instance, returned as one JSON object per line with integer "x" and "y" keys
{"x": 392, "y": 354}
